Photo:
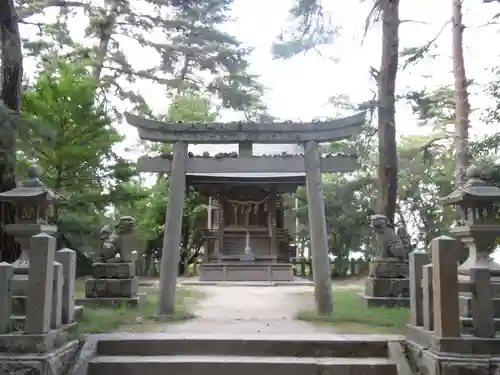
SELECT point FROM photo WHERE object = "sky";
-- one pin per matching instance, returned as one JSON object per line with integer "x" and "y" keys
{"x": 298, "y": 89}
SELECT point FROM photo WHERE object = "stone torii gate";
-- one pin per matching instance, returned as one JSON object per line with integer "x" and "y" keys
{"x": 178, "y": 164}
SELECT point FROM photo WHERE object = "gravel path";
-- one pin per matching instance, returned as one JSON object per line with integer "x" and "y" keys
{"x": 249, "y": 309}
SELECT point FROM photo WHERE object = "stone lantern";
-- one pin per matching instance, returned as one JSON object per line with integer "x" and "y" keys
{"x": 32, "y": 201}
{"x": 477, "y": 230}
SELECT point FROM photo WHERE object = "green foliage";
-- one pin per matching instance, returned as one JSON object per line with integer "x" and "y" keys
{"x": 192, "y": 45}
{"x": 76, "y": 155}
{"x": 425, "y": 176}
{"x": 348, "y": 205}
{"x": 488, "y": 147}
{"x": 437, "y": 106}
{"x": 493, "y": 113}
{"x": 190, "y": 106}
{"x": 149, "y": 208}
{"x": 64, "y": 99}
{"x": 413, "y": 55}
{"x": 308, "y": 28}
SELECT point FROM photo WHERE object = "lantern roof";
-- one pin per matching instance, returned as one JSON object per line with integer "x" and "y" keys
{"x": 474, "y": 190}
{"x": 30, "y": 189}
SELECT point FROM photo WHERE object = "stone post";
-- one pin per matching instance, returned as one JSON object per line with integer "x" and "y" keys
{"x": 40, "y": 284}
{"x": 317, "y": 229}
{"x": 445, "y": 286}
{"x": 427, "y": 299}
{"x": 67, "y": 258}
{"x": 6, "y": 276}
{"x": 57, "y": 296}
{"x": 173, "y": 226}
{"x": 418, "y": 259}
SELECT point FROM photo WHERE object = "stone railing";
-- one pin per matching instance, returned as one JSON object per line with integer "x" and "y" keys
{"x": 435, "y": 288}
{"x": 41, "y": 299}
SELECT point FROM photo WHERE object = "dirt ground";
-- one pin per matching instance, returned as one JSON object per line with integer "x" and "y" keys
{"x": 253, "y": 309}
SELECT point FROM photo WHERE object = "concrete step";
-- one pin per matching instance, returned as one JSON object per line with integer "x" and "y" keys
{"x": 316, "y": 345}
{"x": 224, "y": 365}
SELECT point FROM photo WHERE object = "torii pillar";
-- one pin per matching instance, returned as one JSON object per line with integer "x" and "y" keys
{"x": 171, "y": 254}
{"x": 317, "y": 229}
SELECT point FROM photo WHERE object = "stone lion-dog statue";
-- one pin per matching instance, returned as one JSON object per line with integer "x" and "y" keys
{"x": 391, "y": 244}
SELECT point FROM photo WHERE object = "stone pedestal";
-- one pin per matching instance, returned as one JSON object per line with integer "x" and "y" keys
{"x": 36, "y": 354}
{"x": 429, "y": 354}
{"x": 387, "y": 284}
{"x": 112, "y": 285}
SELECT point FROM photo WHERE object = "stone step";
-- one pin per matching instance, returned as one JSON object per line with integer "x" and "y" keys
{"x": 347, "y": 346}
{"x": 224, "y": 365}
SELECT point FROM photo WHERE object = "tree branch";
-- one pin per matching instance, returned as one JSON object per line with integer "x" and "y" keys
{"x": 426, "y": 47}
{"x": 413, "y": 21}
{"x": 39, "y": 6}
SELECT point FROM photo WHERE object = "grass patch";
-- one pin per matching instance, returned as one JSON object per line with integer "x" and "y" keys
{"x": 353, "y": 316}
{"x": 142, "y": 319}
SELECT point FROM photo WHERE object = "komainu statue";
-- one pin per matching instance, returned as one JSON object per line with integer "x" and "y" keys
{"x": 391, "y": 245}
{"x": 116, "y": 239}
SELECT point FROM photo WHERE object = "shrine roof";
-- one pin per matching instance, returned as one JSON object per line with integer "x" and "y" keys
{"x": 211, "y": 182}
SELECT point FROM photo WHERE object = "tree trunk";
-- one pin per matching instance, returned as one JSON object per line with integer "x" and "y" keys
{"x": 386, "y": 81}
{"x": 12, "y": 75}
{"x": 107, "y": 27}
{"x": 461, "y": 97}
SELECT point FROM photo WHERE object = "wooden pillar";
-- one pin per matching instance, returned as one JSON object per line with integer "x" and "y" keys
{"x": 272, "y": 223}
{"x": 173, "y": 226}
{"x": 317, "y": 229}
{"x": 220, "y": 241}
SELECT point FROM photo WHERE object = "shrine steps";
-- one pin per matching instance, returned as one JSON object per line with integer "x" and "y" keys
{"x": 211, "y": 365}
{"x": 164, "y": 354}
